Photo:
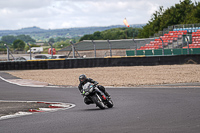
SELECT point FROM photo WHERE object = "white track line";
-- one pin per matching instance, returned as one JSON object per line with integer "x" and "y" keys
{"x": 60, "y": 105}
{"x": 21, "y": 84}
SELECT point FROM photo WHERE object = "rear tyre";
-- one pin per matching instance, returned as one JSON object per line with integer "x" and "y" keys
{"x": 97, "y": 100}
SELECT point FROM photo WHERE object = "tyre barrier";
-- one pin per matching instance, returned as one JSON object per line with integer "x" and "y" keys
{"x": 101, "y": 62}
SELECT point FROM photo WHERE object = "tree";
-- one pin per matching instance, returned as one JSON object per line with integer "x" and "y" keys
{"x": 58, "y": 39}
{"x": 97, "y": 35}
{"x": 8, "y": 39}
{"x": 25, "y": 38}
{"x": 185, "y": 12}
{"x": 51, "y": 40}
{"x": 111, "y": 34}
{"x": 86, "y": 37}
{"x": 2, "y": 47}
{"x": 19, "y": 44}
{"x": 61, "y": 44}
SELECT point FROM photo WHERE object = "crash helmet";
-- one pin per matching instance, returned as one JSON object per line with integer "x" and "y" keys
{"x": 82, "y": 78}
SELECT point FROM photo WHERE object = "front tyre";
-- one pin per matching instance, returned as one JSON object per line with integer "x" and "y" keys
{"x": 98, "y": 101}
{"x": 109, "y": 103}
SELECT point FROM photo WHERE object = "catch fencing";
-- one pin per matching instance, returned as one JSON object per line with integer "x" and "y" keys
{"x": 103, "y": 48}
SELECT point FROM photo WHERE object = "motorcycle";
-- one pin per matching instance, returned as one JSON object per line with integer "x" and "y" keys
{"x": 96, "y": 96}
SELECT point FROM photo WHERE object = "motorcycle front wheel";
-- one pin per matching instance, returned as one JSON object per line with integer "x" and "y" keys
{"x": 109, "y": 103}
{"x": 98, "y": 101}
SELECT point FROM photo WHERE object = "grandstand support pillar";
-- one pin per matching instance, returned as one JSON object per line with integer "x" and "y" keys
{"x": 177, "y": 43}
{"x": 182, "y": 42}
{"x": 73, "y": 51}
{"x": 163, "y": 52}
{"x": 110, "y": 46}
{"x": 94, "y": 48}
{"x": 188, "y": 48}
{"x": 30, "y": 51}
{"x": 7, "y": 51}
{"x": 51, "y": 50}
{"x": 135, "y": 47}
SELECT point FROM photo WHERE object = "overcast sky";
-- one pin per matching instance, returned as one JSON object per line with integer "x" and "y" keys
{"x": 57, "y": 14}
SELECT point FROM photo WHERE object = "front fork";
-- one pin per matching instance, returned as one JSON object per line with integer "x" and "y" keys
{"x": 101, "y": 94}
{"x": 99, "y": 97}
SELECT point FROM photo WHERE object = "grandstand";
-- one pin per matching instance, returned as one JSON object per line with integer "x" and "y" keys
{"x": 189, "y": 30}
{"x": 195, "y": 39}
{"x": 174, "y": 38}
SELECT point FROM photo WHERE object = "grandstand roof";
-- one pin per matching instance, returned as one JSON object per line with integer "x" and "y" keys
{"x": 104, "y": 44}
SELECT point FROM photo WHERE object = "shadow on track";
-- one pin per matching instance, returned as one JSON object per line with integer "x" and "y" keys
{"x": 96, "y": 109}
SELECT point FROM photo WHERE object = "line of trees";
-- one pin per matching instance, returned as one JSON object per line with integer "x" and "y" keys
{"x": 10, "y": 39}
{"x": 61, "y": 42}
{"x": 15, "y": 42}
{"x": 112, "y": 34}
{"x": 18, "y": 43}
{"x": 185, "y": 12}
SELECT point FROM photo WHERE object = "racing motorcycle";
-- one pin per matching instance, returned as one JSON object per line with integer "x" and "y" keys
{"x": 96, "y": 96}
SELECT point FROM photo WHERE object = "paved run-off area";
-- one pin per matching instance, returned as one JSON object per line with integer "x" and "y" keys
{"x": 117, "y": 76}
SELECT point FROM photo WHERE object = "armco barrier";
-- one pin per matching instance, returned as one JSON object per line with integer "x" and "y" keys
{"x": 102, "y": 62}
{"x": 124, "y": 61}
{"x": 23, "y": 65}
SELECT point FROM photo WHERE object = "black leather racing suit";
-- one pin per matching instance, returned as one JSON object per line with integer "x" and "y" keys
{"x": 100, "y": 87}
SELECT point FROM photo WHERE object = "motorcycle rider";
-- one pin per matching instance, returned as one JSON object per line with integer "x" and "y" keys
{"x": 83, "y": 80}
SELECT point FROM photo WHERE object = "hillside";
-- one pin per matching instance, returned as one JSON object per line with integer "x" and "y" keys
{"x": 43, "y": 34}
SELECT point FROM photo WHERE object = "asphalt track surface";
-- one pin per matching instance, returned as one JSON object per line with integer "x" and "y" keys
{"x": 136, "y": 110}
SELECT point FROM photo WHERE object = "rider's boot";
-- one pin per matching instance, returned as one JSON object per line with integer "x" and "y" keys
{"x": 106, "y": 93}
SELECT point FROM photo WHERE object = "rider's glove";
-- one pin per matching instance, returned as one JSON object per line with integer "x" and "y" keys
{"x": 96, "y": 83}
